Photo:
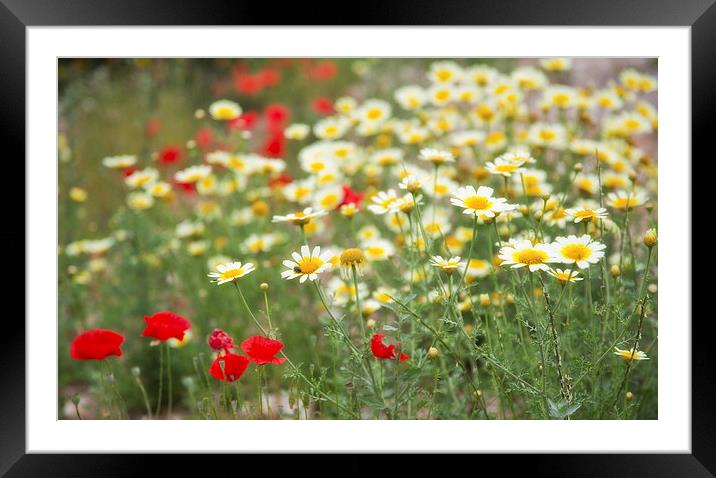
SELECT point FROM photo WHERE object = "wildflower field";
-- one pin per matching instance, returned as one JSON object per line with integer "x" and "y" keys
{"x": 312, "y": 239}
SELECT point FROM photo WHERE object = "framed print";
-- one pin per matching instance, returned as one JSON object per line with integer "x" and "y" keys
{"x": 247, "y": 238}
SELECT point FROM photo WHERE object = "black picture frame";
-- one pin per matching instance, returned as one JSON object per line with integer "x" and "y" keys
{"x": 16, "y": 15}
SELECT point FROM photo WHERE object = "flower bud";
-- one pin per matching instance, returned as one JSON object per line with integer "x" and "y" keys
{"x": 615, "y": 271}
{"x": 629, "y": 395}
{"x": 433, "y": 353}
{"x": 370, "y": 324}
{"x": 578, "y": 167}
{"x": 650, "y": 238}
{"x": 136, "y": 371}
{"x": 264, "y": 286}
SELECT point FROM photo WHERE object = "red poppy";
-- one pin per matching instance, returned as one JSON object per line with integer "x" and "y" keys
{"x": 166, "y": 325}
{"x": 247, "y": 84}
{"x": 323, "y": 71}
{"x": 247, "y": 120}
{"x": 275, "y": 145}
{"x": 152, "y": 127}
{"x": 276, "y": 116}
{"x": 170, "y": 155}
{"x": 322, "y": 106}
{"x": 381, "y": 351}
{"x": 204, "y": 138}
{"x": 280, "y": 180}
{"x": 96, "y": 344}
{"x": 234, "y": 367}
{"x": 186, "y": 188}
{"x": 269, "y": 77}
{"x": 351, "y": 196}
{"x": 220, "y": 340}
{"x": 126, "y": 172}
{"x": 261, "y": 350}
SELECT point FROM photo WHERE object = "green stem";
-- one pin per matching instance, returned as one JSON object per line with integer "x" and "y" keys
{"x": 169, "y": 380}
{"x": 161, "y": 382}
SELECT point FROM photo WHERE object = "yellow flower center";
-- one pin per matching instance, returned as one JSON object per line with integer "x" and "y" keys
{"x": 374, "y": 113}
{"x": 316, "y": 167}
{"x": 623, "y": 203}
{"x": 387, "y": 202}
{"x": 561, "y": 100}
{"x": 442, "y": 95}
{"x": 530, "y": 256}
{"x": 500, "y": 89}
{"x": 485, "y": 112}
{"x": 353, "y": 256}
{"x": 585, "y": 214}
{"x": 257, "y": 246}
{"x": 506, "y": 168}
{"x": 547, "y": 135}
{"x": 226, "y": 113}
{"x": 477, "y": 202}
{"x": 375, "y": 250}
{"x": 309, "y": 265}
{"x": 494, "y": 137}
{"x": 559, "y": 213}
{"x": 576, "y": 252}
{"x": 329, "y": 200}
{"x": 232, "y": 274}
{"x": 444, "y": 75}
{"x": 632, "y": 123}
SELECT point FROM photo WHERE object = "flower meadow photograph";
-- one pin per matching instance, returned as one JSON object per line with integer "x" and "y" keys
{"x": 357, "y": 239}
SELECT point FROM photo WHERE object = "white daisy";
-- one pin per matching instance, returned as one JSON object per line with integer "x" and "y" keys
{"x": 436, "y": 156}
{"x": 385, "y": 202}
{"x": 142, "y": 178}
{"x": 585, "y": 213}
{"x": 231, "y": 271}
{"x": 300, "y": 218}
{"x": 564, "y": 276}
{"x": 581, "y": 251}
{"x": 521, "y": 253}
{"x": 119, "y": 162}
{"x": 193, "y": 174}
{"x": 224, "y": 110}
{"x": 447, "y": 265}
{"x": 378, "y": 249}
{"x": 480, "y": 202}
{"x": 307, "y": 265}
